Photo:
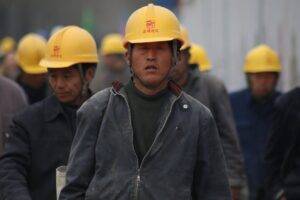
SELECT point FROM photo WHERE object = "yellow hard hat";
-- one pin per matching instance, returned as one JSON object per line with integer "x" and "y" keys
{"x": 152, "y": 24}
{"x": 69, "y": 46}
{"x": 199, "y": 57}
{"x": 112, "y": 44}
{"x": 7, "y": 45}
{"x": 31, "y": 49}
{"x": 185, "y": 37}
{"x": 262, "y": 59}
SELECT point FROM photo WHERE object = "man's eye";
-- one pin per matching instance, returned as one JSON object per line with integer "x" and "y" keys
{"x": 51, "y": 76}
{"x": 66, "y": 76}
{"x": 143, "y": 48}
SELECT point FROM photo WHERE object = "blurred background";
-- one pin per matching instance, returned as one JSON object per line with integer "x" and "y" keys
{"x": 227, "y": 29}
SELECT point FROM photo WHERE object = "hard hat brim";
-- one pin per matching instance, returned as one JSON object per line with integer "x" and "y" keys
{"x": 34, "y": 69}
{"x": 61, "y": 64}
{"x": 262, "y": 71}
{"x": 150, "y": 40}
{"x": 204, "y": 68}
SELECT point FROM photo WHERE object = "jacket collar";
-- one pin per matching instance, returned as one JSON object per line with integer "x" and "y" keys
{"x": 117, "y": 87}
{"x": 52, "y": 108}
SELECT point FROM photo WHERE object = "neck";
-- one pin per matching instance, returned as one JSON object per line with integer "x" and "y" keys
{"x": 149, "y": 90}
{"x": 81, "y": 99}
{"x": 183, "y": 80}
{"x": 262, "y": 99}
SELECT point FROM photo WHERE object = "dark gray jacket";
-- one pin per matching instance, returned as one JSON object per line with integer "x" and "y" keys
{"x": 212, "y": 93}
{"x": 40, "y": 141}
{"x": 13, "y": 99}
{"x": 184, "y": 162}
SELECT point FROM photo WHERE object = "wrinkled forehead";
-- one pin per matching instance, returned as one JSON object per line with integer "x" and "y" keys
{"x": 153, "y": 44}
{"x": 73, "y": 68}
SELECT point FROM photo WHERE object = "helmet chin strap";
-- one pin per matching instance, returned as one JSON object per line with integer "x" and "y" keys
{"x": 85, "y": 84}
{"x": 175, "y": 52}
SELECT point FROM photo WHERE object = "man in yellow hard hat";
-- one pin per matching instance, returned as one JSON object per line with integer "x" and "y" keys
{"x": 8, "y": 66}
{"x": 147, "y": 139}
{"x": 199, "y": 58}
{"x": 7, "y": 45}
{"x": 113, "y": 65}
{"x": 33, "y": 77}
{"x": 42, "y": 134}
{"x": 212, "y": 93}
{"x": 253, "y": 108}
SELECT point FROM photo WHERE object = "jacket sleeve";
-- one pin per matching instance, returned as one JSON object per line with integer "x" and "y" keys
{"x": 210, "y": 178}
{"x": 81, "y": 164}
{"x": 14, "y": 164}
{"x": 222, "y": 113}
{"x": 277, "y": 147}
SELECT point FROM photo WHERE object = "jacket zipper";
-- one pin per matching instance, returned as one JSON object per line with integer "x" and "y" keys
{"x": 138, "y": 176}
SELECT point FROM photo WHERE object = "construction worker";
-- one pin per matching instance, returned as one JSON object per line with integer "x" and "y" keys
{"x": 8, "y": 65}
{"x": 253, "y": 108}
{"x": 199, "y": 58}
{"x": 147, "y": 139}
{"x": 42, "y": 134}
{"x": 283, "y": 149}
{"x": 113, "y": 65}
{"x": 212, "y": 93}
{"x": 7, "y": 45}
{"x": 33, "y": 77}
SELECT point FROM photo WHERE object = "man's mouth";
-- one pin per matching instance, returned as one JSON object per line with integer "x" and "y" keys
{"x": 151, "y": 68}
{"x": 62, "y": 94}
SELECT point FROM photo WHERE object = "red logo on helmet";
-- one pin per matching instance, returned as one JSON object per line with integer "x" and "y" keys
{"x": 150, "y": 27}
{"x": 56, "y": 52}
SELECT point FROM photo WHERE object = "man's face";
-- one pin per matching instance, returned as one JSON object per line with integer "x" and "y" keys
{"x": 151, "y": 63}
{"x": 67, "y": 84}
{"x": 181, "y": 68}
{"x": 115, "y": 62}
{"x": 10, "y": 67}
{"x": 262, "y": 84}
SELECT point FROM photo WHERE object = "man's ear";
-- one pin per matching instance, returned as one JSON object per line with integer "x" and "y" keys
{"x": 127, "y": 57}
{"x": 90, "y": 73}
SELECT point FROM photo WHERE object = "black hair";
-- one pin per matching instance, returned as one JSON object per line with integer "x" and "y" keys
{"x": 86, "y": 66}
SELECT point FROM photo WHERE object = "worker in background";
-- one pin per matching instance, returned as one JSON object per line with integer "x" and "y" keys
{"x": 212, "y": 93}
{"x": 283, "y": 149}
{"x": 41, "y": 136}
{"x": 7, "y": 45}
{"x": 199, "y": 59}
{"x": 8, "y": 65}
{"x": 253, "y": 108}
{"x": 147, "y": 139}
{"x": 113, "y": 64}
{"x": 33, "y": 77}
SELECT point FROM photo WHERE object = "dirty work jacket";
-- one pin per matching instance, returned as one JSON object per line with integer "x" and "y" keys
{"x": 184, "y": 162}
{"x": 13, "y": 100}
{"x": 283, "y": 149}
{"x": 40, "y": 141}
{"x": 212, "y": 93}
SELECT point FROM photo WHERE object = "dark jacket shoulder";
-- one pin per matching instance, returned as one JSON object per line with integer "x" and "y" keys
{"x": 288, "y": 98}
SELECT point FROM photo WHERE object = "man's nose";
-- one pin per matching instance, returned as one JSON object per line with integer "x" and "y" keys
{"x": 151, "y": 55}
